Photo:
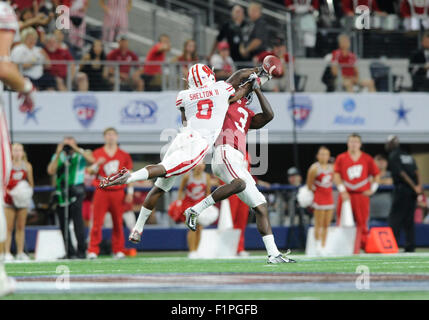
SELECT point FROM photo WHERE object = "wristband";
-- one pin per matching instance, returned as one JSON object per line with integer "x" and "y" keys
{"x": 341, "y": 188}
{"x": 28, "y": 86}
{"x": 130, "y": 190}
{"x": 374, "y": 187}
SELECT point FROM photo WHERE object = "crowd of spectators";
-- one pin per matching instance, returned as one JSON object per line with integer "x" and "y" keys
{"x": 242, "y": 41}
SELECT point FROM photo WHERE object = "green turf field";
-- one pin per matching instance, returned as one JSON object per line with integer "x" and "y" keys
{"x": 173, "y": 276}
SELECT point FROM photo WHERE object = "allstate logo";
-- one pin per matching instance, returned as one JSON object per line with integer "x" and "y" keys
{"x": 300, "y": 109}
{"x": 349, "y": 119}
{"x": 85, "y": 108}
{"x": 139, "y": 111}
{"x": 349, "y": 105}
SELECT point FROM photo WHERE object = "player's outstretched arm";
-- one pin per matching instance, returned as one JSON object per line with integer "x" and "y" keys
{"x": 238, "y": 76}
{"x": 267, "y": 114}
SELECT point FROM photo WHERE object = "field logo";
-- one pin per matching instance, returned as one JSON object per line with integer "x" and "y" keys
{"x": 63, "y": 279}
{"x": 300, "y": 109}
{"x": 139, "y": 111}
{"x": 85, "y": 108}
{"x": 363, "y": 280}
{"x": 349, "y": 118}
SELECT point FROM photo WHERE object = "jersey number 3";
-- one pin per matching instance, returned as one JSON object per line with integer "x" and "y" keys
{"x": 204, "y": 109}
{"x": 243, "y": 120}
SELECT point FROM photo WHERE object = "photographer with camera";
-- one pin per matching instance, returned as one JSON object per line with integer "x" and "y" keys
{"x": 68, "y": 164}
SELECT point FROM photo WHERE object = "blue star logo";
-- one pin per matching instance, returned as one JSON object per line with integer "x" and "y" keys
{"x": 31, "y": 115}
{"x": 401, "y": 112}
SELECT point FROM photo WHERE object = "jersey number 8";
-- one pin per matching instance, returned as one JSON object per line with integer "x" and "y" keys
{"x": 204, "y": 109}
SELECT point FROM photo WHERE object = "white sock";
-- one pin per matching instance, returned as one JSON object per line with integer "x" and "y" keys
{"x": 141, "y": 220}
{"x": 270, "y": 245}
{"x": 139, "y": 175}
{"x": 203, "y": 204}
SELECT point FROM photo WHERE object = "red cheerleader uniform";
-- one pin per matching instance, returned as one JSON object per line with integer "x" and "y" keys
{"x": 16, "y": 175}
{"x": 322, "y": 187}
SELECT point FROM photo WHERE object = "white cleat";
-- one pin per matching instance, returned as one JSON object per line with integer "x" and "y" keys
{"x": 8, "y": 257}
{"x": 191, "y": 219}
{"x": 281, "y": 258}
{"x": 91, "y": 256}
{"x": 22, "y": 257}
{"x": 193, "y": 255}
{"x": 243, "y": 253}
{"x": 135, "y": 236}
{"x": 119, "y": 255}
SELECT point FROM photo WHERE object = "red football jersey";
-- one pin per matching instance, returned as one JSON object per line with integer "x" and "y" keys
{"x": 235, "y": 126}
{"x": 16, "y": 175}
{"x": 112, "y": 165}
{"x": 355, "y": 174}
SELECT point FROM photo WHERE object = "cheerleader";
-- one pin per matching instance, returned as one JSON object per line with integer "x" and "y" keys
{"x": 319, "y": 180}
{"x": 17, "y": 200}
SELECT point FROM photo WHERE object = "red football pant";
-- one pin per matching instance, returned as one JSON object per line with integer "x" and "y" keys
{"x": 113, "y": 202}
{"x": 239, "y": 215}
{"x": 360, "y": 208}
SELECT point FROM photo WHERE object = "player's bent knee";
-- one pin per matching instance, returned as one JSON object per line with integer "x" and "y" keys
{"x": 239, "y": 185}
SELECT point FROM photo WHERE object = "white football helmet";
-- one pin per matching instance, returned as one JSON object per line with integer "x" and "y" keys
{"x": 200, "y": 75}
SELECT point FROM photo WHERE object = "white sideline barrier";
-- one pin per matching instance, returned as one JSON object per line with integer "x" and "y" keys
{"x": 217, "y": 243}
{"x": 340, "y": 242}
{"x": 49, "y": 245}
{"x": 223, "y": 241}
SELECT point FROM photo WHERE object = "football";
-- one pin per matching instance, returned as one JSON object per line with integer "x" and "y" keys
{"x": 273, "y": 66}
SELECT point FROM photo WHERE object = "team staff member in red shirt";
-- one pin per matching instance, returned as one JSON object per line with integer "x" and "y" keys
{"x": 109, "y": 159}
{"x": 345, "y": 60}
{"x": 152, "y": 72}
{"x": 353, "y": 170}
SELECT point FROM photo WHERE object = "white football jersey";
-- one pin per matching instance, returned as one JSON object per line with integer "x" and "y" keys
{"x": 205, "y": 108}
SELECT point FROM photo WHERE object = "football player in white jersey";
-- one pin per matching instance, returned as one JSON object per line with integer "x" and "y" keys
{"x": 10, "y": 76}
{"x": 203, "y": 107}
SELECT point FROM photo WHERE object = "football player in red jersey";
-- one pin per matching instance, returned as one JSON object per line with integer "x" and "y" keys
{"x": 230, "y": 165}
{"x": 354, "y": 170}
{"x": 9, "y": 75}
{"x": 109, "y": 159}
{"x": 319, "y": 179}
{"x": 189, "y": 141}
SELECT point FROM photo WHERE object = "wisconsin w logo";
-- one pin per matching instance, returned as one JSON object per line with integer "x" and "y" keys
{"x": 354, "y": 172}
{"x": 111, "y": 167}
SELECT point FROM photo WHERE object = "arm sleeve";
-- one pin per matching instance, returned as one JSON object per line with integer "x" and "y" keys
{"x": 179, "y": 100}
{"x": 230, "y": 91}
